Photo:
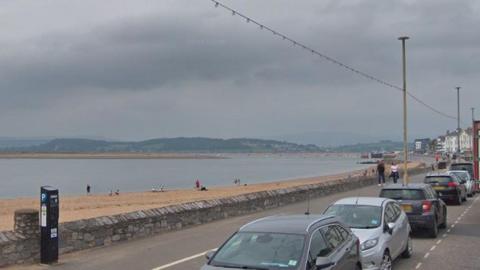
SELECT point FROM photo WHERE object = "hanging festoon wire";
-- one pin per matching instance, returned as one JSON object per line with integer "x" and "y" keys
{"x": 333, "y": 60}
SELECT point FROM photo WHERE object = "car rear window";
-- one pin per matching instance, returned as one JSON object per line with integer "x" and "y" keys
{"x": 438, "y": 179}
{"x": 403, "y": 194}
{"x": 462, "y": 167}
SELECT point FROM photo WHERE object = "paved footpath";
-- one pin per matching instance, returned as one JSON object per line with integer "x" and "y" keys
{"x": 457, "y": 247}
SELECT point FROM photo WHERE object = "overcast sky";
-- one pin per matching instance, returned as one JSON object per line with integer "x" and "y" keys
{"x": 143, "y": 69}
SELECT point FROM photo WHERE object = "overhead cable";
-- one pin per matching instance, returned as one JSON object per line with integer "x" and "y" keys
{"x": 329, "y": 58}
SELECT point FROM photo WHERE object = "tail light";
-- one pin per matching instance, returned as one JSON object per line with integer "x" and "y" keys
{"x": 452, "y": 184}
{"x": 426, "y": 206}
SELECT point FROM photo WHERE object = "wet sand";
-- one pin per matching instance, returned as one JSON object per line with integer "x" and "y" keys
{"x": 88, "y": 206}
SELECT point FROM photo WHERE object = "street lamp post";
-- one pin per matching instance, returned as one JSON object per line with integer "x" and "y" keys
{"x": 405, "y": 139}
{"x": 458, "y": 120}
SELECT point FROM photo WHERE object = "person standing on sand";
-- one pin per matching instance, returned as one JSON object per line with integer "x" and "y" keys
{"x": 197, "y": 184}
{"x": 381, "y": 173}
{"x": 88, "y": 189}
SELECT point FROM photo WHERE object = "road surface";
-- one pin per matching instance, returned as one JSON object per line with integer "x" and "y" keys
{"x": 457, "y": 247}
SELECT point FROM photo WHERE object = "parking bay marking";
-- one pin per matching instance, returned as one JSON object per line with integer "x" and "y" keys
{"x": 165, "y": 266}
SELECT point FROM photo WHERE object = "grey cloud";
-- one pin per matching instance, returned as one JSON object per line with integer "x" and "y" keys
{"x": 197, "y": 70}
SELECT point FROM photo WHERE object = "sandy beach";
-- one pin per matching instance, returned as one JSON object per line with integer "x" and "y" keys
{"x": 87, "y": 206}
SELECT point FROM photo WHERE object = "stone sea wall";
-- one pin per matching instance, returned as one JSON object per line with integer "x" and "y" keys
{"x": 22, "y": 244}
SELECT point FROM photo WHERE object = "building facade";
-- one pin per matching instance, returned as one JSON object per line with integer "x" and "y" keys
{"x": 449, "y": 142}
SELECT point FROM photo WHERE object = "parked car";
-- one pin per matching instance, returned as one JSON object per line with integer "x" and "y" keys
{"x": 289, "y": 242}
{"x": 448, "y": 187}
{"x": 466, "y": 166}
{"x": 465, "y": 176}
{"x": 421, "y": 204}
{"x": 442, "y": 165}
{"x": 462, "y": 166}
{"x": 381, "y": 225}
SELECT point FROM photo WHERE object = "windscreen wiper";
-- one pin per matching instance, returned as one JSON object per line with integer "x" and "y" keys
{"x": 254, "y": 267}
{"x": 241, "y": 267}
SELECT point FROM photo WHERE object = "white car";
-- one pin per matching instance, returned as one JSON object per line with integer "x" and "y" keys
{"x": 464, "y": 176}
{"x": 380, "y": 224}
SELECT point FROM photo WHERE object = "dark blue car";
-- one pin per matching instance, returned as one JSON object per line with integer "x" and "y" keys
{"x": 424, "y": 208}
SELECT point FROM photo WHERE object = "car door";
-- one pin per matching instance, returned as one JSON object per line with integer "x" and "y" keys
{"x": 469, "y": 182}
{"x": 350, "y": 247}
{"x": 318, "y": 248}
{"x": 461, "y": 185}
{"x": 403, "y": 225}
{"x": 395, "y": 239}
{"x": 337, "y": 245}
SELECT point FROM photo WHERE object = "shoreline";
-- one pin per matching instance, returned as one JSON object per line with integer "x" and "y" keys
{"x": 109, "y": 155}
{"x": 95, "y": 205}
{"x": 162, "y": 155}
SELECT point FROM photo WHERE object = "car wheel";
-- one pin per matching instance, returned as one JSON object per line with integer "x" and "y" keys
{"x": 407, "y": 253}
{"x": 386, "y": 263}
{"x": 434, "y": 230}
{"x": 444, "y": 222}
{"x": 464, "y": 197}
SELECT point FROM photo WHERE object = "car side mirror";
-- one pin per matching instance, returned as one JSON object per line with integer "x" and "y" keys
{"x": 323, "y": 262}
{"x": 389, "y": 227}
{"x": 209, "y": 254}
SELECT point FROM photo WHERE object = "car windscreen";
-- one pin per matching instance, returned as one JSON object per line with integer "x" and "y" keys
{"x": 357, "y": 216}
{"x": 438, "y": 179}
{"x": 252, "y": 250}
{"x": 403, "y": 194}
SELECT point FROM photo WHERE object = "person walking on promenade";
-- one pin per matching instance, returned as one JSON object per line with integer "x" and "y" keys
{"x": 88, "y": 189}
{"x": 381, "y": 173}
{"x": 395, "y": 174}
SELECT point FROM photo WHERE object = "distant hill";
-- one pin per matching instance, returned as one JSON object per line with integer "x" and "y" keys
{"x": 181, "y": 144}
{"x": 328, "y": 139}
{"x": 387, "y": 146}
{"x": 20, "y": 142}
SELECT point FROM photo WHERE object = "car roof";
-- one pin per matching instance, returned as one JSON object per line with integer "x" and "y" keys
{"x": 462, "y": 163}
{"x": 457, "y": 171}
{"x": 409, "y": 186}
{"x": 373, "y": 201}
{"x": 298, "y": 224}
{"x": 441, "y": 174}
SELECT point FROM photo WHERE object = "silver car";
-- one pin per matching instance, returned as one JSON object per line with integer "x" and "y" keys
{"x": 380, "y": 224}
{"x": 293, "y": 242}
{"x": 464, "y": 176}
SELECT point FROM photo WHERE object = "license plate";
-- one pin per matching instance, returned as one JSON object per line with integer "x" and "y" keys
{"x": 407, "y": 208}
{"x": 439, "y": 188}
